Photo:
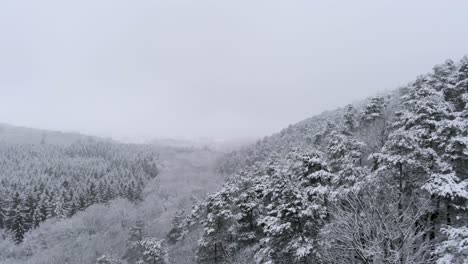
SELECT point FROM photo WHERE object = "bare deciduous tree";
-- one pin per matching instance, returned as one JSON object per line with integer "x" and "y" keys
{"x": 367, "y": 227}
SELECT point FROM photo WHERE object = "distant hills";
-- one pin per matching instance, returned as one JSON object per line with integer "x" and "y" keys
{"x": 25, "y": 135}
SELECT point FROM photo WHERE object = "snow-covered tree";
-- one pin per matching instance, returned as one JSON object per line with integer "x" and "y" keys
{"x": 216, "y": 244}
{"x": 136, "y": 234}
{"x": 366, "y": 227}
{"x": 176, "y": 227}
{"x": 453, "y": 250}
{"x": 295, "y": 202}
{"x": 350, "y": 119}
{"x": 154, "y": 251}
{"x": 374, "y": 110}
{"x": 16, "y": 220}
{"x": 345, "y": 155}
{"x": 104, "y": 259}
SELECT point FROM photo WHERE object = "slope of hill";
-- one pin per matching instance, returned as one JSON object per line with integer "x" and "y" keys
{"x": 303, "y": 135}
{"x": 69, "y": 198}
{"x": 381, "y": 182}
{"x": 47, "y": 175}
{"x": 106, "y": 228}
{"x": 24, "y": 135}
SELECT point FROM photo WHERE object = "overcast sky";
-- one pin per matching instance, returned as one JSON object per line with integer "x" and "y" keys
{"x": 211, "y": 68}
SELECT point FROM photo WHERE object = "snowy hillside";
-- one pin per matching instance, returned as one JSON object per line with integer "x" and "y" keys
{"x": 381, "y": 182}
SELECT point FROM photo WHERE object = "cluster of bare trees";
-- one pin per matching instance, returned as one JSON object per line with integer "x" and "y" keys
{"x": 372, "y": 226}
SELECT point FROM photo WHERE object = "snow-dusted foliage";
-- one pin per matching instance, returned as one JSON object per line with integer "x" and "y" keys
{"x": 454, "y": 250}
{"x": 372, "y": 183}
{"x": 109, "y": 260}
{"x": 154, "y": 251}
{"x": 42, "y": 181}
{"x": 374, "y": 226}
{"x": 140, "y": 249}
{"x": 280, "y": 210}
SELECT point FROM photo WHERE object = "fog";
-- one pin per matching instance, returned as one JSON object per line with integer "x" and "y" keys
{"x": 222, "y": 69}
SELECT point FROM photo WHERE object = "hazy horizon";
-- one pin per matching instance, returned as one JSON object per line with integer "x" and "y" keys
{"x": 210, "y": 69}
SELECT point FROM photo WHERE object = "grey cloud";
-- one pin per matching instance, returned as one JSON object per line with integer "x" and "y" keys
{"x": 211, "y": 68}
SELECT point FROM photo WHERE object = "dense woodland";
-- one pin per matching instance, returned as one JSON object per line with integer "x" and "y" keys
{"x": 381, "y": 181}
{"x": 69, "y": 198}
{"x": 42, "y": 181}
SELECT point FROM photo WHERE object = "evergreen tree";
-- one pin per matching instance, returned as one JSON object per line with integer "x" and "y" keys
{"x": 344, "y": 155}
{"x": 154, "y": 251}
{"x": 135, "y": 237}
{"x": 215, "y": 245}
{"x": 454, "y": 250}
{"x": 3, "y": 210}
{"x": 61, "y": 209}
{"x": 176, "y": 227}
{"x": 350, "y": 122}
{"x": 16, "y": 219}
{"x": 30, "y": 206}
{"x": 374, "y": 110}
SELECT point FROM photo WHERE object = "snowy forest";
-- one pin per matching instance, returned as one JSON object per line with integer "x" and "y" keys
{"x": 42, "y": 181}
{"x": 384, "y": 180}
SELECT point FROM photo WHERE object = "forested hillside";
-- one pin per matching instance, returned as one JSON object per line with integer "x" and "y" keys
{"x": 78, "y": 199}
{"x": 380, "y": 181}
{"x": 385, "y": 181}
{"x": 25, "y": 135}
{"x": 47, "y": 176}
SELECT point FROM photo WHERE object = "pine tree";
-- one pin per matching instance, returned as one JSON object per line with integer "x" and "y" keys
{"x": 374, "y": 127}
{"x": 81, "y": 205}
{"x": 454, "y": 250}
{"x": 350, "y": 122}
{"x": 38, "y": 216}
{"x": 405, "y": 165}
{"x": 61, "y": 209}
{"x": 91, "y": 194}
{"x": 3, "y": 210}
{"x": 101, "y": 193}
{"x": 50, "y": 206}
{"x": 455, "y": 92}
{"x": 16, "y": 219}
{"x": 345, "y": 155}
{"x": 30, "y": 205}
{"x": 247, "y": 205}
{"x": 215, "y": 246}
{"x": 154, "y": 251}
{"x": 135, "y": 237}
{"x": 176, "y": 227}
{"x": 374, "y": 110}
